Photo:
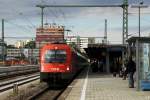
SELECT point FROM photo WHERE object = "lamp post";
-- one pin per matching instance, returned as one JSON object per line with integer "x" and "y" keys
{"x": 141, "y": 3}
{"x": 67, "y": 30}
{"x": 139, "y": 12}
{"x": 137, "y": 44}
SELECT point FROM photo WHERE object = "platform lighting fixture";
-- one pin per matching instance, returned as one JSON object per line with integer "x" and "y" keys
{"x": 68, "y": 31}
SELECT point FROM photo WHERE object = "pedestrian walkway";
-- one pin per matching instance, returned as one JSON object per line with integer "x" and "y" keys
{"x": 96, "y": 86}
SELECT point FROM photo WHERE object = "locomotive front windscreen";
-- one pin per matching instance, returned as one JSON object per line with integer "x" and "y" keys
{"x": 55, "y": 56}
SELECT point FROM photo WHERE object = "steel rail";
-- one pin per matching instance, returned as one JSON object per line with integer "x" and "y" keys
{"x": 4, "y": 83}
{"x": 38, "y": 93}
{"x": 5, "y": 87}
{"x": 7, "y": 73}
{"x": 54, "y": 95}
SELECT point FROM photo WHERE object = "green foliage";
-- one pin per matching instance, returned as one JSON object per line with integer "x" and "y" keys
{"x": 30, "y": 45}
{"x": 11, "y": 46}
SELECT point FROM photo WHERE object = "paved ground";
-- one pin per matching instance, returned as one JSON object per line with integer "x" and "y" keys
{"x": 105, "y": 87}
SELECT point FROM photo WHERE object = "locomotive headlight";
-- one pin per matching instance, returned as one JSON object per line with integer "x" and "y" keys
{"x": 57, "y": 69}
{"x": 56, "y": 48}
{"x": 67, "y": 68}
{"x": 42, "y": 68}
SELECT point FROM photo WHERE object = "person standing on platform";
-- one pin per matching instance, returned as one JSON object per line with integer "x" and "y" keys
{"x": 131, "y": 68}
{"x": 115, "y": 69}
{"x": 94, "y": 66}
{"x": 124, "y": 70}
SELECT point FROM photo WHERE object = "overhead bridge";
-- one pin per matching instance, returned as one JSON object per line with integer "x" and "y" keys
{"x": 109, "y": 55}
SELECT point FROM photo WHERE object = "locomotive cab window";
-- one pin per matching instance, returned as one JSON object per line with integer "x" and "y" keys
{"x": 55, "y": 56}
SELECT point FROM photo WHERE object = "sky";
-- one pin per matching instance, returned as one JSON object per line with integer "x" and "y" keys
{"x": 22, "y": 17}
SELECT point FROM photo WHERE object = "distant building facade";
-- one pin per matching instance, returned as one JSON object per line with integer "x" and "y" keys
{"x": 21, "y": 43}
{"x": 49, "y": 34}
{"x": 81, "y": 42}
{"x": 14, "y": 52}
{"x": 27, "y": 52}
{"x": 30, "y": 54}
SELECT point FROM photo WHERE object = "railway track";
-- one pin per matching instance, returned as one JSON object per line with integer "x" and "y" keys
{"x": 53, "y": 93}
{"x": 9, "y": 84}
{"x": 10, "y": 72}
{"x": 50, "y": 95}
{"x": 44, "y": 92}
{"x": 47, "y": 93}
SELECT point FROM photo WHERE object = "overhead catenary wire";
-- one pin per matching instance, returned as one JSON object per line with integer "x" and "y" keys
{"x": 28, "y": 20}
{"x": 62, "y": 12}
{"x": 54, "y": 12}
{"x": 31, "y": 26}
{"x": 19, "y": 37}
{"x": 16, "y": 26}
{"x": 143, "y": 19}
{"x": 19, "y": 26}
{"x": 49, "y": 11}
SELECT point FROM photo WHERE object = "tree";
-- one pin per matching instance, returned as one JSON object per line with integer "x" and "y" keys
{"x": 30, "y": 45}
{"x": 11, "y": 46}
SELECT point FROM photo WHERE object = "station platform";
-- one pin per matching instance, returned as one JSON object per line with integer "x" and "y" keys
{"x": 98, "y": 86}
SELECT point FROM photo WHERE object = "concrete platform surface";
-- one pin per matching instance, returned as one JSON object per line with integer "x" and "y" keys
{"x": 97, "y": 86}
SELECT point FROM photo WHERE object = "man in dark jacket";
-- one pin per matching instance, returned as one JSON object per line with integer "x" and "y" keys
{"x": 124, "y": 70}
{"x": 131, "y": 68}
{"x": 94, "y": 66}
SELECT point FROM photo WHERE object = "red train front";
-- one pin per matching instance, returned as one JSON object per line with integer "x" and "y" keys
{"x": 58, "y": 62}
{"x": 55, "y": 58}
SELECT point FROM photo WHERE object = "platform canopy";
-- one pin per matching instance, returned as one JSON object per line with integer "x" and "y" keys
{"x": 100, "y": 50}
{"x": 140, "y": 39}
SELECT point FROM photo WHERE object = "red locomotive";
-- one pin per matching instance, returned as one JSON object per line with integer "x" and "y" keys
{"x": 60, "y": 62}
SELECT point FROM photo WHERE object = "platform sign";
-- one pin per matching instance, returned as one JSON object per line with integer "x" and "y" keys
{"x": 145, "y": 59}
{"x": 26, "y": 53}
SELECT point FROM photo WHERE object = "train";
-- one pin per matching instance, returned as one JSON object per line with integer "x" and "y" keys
{"x": 60, "y": 63}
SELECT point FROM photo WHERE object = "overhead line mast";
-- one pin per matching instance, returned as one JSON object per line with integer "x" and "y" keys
{"x": 125, "y": 28}
{"x": 125, "y": 14}
{"x": 125, "y": 21}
